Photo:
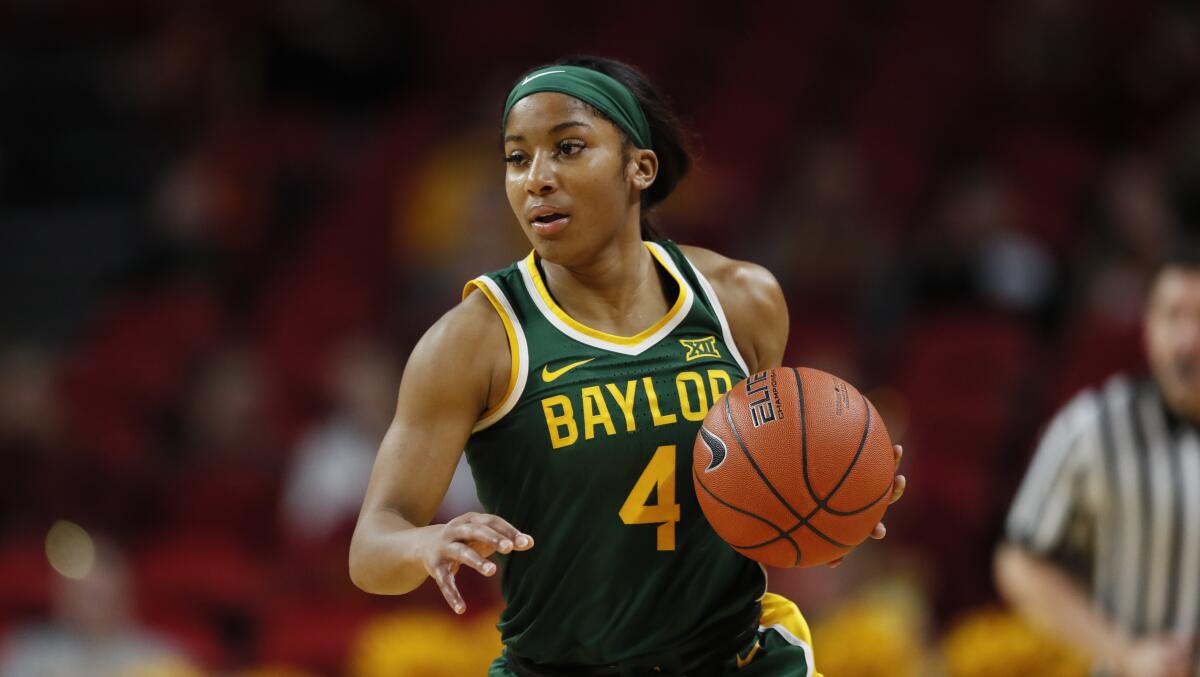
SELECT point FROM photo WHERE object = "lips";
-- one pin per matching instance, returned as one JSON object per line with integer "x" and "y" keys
{"x": 547, "y": 219}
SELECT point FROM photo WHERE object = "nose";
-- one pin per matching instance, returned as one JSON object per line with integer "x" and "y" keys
{"x": 541, "y": 178}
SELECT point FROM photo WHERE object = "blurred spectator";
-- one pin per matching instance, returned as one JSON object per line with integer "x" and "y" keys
{"x": 92, "y": 631}
{"x": 975, "y": 249}
{"x": 39, "y": 482}
{"x": 328, "y": 475}
{"x": 818, "y": 226}
{"x": 224, "y": 477}
{"x": 330, "y": 468}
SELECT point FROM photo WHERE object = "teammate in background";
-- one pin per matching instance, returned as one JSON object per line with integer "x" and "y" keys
{"x": 576, "y": 380}
{"x": 1115, "y": 484}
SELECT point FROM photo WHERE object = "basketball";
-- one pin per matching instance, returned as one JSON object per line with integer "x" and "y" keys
{"x": 793, "y": 467}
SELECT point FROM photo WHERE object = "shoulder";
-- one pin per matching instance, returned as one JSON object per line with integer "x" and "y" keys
{"x": 471, "y": 323}
{"x": 753, "y": 304}
{"x": 737, "y": 282}
{"x": 1082, "y": 417}
{"x": 1089, "y": 407}
{"x": 468, "y": 343}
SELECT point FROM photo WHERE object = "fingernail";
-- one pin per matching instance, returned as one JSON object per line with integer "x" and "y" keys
{"x": 506, "y": 545}
{"x": 458, "y": 608}
{"x": 489, "y": 569}
{"x": 522, "y": 541}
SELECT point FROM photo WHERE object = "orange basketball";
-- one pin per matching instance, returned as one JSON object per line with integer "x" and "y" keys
{"x": 793, "y": 467}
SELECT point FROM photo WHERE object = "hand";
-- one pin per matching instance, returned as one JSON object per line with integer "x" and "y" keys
{"x": 468, "y": 539}
{"x": 897, "y": 491}
{"x": 1156, "y": 657}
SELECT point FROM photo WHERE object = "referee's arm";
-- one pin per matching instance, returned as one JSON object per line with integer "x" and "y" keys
{"x": 1043, "y": 593}
{"x": 1050, "y": 494}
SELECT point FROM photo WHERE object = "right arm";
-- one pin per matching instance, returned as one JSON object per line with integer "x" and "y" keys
{"x": 1048, "y": 597}
{"x": 455, "y": 371}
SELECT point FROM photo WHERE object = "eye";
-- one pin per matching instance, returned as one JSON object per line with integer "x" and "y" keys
{"x": 567, "y": 148}
{"x": 516, "y": 158}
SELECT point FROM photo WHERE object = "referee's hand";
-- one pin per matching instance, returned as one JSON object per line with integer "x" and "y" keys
{"x": 1156, "y": 657}
{"x": 897, "y": 491}
{"x": 468, "y": 539}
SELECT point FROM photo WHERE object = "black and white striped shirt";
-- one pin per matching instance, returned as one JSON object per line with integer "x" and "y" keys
{"x": 1116, "y": 477}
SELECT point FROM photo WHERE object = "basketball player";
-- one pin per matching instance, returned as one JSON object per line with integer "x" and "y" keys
{"x": 576, "y": 380}
{"x": 1115, "y": 485}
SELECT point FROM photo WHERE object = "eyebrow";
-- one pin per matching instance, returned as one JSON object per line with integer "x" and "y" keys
{"x": 553, "y": 130}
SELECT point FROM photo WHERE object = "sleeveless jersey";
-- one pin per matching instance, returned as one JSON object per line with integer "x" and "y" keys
{"x": 590, "y": 452}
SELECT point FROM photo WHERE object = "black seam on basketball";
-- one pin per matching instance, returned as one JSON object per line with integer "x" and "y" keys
{"x": 781, "y": 532}
{"x": 850, "y": 468}
{"x": 846, "y": 513}
{"x": 738, "y": 436}
{"x": 804, "y": 440}
{"x": 802, "y": 523}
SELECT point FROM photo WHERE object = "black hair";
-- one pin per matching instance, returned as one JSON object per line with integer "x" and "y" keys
{"x": 668, "y": 136}
{"x": 1184, "y": 252}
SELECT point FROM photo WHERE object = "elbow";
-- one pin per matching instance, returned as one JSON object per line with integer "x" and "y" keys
{"x": 359, "y": 571}
{"x": 364, "y": 568}
{"x": 370, "y": 573}
{"x": 1010, "y": 570}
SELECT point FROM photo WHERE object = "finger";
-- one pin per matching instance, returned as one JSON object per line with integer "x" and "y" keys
{"x": 445, "y": 583}
{"x": 898, "y": 487}
{"x": 879, "y": 532}
{"x": 463, "y": 554}
{"x": 482, "y": 534}
{"x": 521, "y": 541}
{"x": 898, "y": 453}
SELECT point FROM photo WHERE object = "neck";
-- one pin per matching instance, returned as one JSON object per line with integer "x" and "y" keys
{"x": 1185, "y": 411}
{"x": 616, "y": 275}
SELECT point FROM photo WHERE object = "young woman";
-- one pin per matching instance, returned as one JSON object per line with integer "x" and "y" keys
{"x": 576, "y": 380}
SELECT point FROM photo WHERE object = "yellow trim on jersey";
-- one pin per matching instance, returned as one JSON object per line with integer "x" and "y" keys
{"x": 779, "y": 610}
{"x": 540, "y": 286}
{"x": 513, "y": 346}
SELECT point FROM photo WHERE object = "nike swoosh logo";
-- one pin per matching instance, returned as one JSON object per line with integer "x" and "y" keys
{"x": 538, "y": 75}
{"x": 743, "y": 662}
{"x": 549, "y": 376}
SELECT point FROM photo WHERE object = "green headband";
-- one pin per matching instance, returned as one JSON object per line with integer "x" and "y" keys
{"x": 606, "y": 94}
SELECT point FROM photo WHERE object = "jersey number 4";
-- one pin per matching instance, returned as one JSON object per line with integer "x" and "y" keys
{"x": 660, "y": 474}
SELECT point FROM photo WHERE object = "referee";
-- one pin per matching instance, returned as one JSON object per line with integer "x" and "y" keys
{"x": 1103, "y": 541}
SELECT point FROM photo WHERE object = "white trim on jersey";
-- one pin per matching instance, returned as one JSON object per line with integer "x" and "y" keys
{"x": 726, "y": 334}
{"x": 794, "y": 641}
{"x": 522, "y": 367}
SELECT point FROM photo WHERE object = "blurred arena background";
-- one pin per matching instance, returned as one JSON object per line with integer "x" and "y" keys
{"x": 223, "y": 226}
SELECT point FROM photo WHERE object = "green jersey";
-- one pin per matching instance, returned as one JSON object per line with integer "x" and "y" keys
{"x": 590, "y": 452}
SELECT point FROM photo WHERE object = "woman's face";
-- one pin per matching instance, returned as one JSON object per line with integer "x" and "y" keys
{"x": 570, "y": 183}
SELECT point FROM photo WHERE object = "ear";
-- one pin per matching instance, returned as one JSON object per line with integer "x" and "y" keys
{"x": 642, "y": 168}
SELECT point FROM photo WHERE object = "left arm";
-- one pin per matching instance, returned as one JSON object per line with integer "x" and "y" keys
{"x": 753, "y": 303}
{"x": 758, "y": 319}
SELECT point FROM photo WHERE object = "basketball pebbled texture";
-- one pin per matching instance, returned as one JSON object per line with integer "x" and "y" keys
{"x": 793, "y": 467}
